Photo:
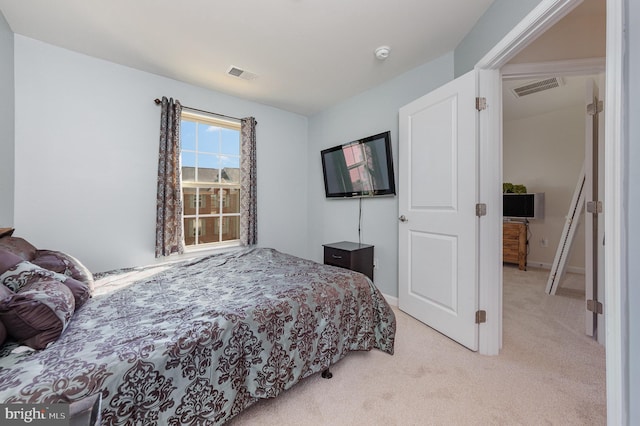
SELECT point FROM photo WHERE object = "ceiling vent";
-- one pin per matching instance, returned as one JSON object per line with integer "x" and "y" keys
{"x": 240, "y": 73}
{"x": 537, "y": 86}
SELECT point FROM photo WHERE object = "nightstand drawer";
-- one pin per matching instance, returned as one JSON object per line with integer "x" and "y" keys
{"x": 510, "y": 251}
{"x": 511, "y": 245}
{"x": 337, "y": 257}
{"x": 511, "y": 231}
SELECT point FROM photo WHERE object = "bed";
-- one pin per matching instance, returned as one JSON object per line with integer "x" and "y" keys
{"x": 197, "y": 341}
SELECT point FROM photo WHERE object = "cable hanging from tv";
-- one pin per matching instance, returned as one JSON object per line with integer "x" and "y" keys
{"x": 360, "y": 221}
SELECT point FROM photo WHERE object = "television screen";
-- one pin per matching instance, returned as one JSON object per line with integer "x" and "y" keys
{"x": 528, "y": 206}
{"x": 362, "y": 168}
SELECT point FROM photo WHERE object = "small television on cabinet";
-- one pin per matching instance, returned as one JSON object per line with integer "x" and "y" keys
{"x": 361, "y": 168}
{"x": 523, "y": 206}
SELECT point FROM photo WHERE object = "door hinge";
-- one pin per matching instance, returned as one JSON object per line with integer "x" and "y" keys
{"x": 595, "y": 108}
{"x": 594, "y": 206}
{"x": 481, "y": 317}
{"x": 481, "y": 103}
{"x": 481, "y": 209}
{"x": 594, "y": 306}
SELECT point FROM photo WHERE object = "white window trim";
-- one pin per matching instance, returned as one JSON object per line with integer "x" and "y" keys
{"x": 201, "y": 118}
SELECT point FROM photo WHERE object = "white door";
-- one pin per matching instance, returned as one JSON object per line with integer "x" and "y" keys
{"x": 594, "y": 216}
{"x": 437, "y": 201}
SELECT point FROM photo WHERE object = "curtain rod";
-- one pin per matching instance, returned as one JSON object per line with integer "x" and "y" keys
{"x": 158, "y": 102}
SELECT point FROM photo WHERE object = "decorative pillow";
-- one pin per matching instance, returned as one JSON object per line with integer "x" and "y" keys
{"x": 38, "y": 313}
{"x": 3, "y": 333}
{"x": 8, "y": 260}
{"x": 5, "y": 293}
{"x": 19, "y": 247}
{"x": 16, "y": 273}
{"x": 66, "y": 264}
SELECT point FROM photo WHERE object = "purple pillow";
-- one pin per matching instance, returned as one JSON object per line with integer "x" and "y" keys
{"x": 3, "y": 333}
{"x": 5, "y": 293}
{"x": 19, "y": 247}
{"x": 8, "y": 260}
{"x": 19, "y": 273}
{"x": 66, "y": 264}
{"x": 38, "y": 313}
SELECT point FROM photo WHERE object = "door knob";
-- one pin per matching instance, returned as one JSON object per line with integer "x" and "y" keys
{"x": 403, "y": 219}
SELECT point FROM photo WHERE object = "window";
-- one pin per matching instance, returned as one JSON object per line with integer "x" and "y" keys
{"x": 210, "y": 161}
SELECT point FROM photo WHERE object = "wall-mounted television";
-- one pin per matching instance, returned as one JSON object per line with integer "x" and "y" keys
{"x": 523, "y": 206}
{"x": 361, "y": 168}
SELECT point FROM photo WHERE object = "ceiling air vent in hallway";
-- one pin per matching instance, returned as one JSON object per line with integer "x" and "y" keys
{"x": 240, "y": 73}
{"x": 537, "y": 86}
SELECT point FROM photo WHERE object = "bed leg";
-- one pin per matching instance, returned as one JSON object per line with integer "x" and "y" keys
{"x": 326, "y": 374}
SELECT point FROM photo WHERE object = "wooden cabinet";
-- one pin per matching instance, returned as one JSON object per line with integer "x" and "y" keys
{"x": 354, "y": 256}
{"x": 514, "y": 243}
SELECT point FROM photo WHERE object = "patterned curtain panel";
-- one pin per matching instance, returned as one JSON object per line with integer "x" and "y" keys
{"x": 169, "y": 202}
{"x": 248, "y": 183}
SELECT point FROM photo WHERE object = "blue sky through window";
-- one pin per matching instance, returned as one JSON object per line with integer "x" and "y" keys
{"x": 217, "y": 147}
{"x": 188, "y": 135}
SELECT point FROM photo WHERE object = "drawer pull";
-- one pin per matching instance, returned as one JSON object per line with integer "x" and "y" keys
{"x": 336, "y": 257}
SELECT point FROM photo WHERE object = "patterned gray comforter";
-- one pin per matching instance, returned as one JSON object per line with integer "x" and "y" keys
{"x": 198, "y": 341}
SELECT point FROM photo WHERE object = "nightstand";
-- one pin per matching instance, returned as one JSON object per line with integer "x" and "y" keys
{"x": 354, "y": 256}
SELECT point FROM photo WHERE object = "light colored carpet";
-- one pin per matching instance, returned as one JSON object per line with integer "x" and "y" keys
{"x": 548, "y": 372}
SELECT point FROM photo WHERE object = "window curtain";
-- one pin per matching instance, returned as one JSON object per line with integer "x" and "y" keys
{"x": 169, "y": 200}
{"x": 248, "y": 183}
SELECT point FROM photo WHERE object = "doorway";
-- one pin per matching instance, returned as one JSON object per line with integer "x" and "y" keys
{"x": 488, "y": 121}
{"x": 488, "y": 68}
{"x": 544, "y": 152}
{"x": 546, "y": 87}
{"x": 544, "y": 148}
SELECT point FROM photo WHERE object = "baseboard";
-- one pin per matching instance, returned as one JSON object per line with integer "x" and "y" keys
{"x": 393, "y": 301}
{"x": 544, "y": 265}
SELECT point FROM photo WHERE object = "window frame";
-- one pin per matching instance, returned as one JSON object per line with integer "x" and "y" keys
{"x": 220, "y": 197}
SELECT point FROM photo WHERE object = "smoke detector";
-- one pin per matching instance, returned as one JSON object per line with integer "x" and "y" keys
{"x": 382, "y": 52}
{"x": 240, "y": 73}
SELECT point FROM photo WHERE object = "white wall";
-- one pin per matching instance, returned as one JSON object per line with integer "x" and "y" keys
{"x": 6, "y": 124}
{"x": 496, "y": 22}
{"x": 371, "y": 112}
{"x": 86, "y": 150}
{"x": 545, "y": 153}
